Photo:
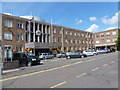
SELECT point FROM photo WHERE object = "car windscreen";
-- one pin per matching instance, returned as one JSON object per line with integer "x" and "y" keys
{"x": 30, "y": 54}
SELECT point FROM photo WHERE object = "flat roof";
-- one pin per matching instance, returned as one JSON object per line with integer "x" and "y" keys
{"x": 18, "y": 17}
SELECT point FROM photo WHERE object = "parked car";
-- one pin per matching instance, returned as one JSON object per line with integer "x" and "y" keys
{"x": 73, "y": 54}
{"x": 26, "y": 58}
{"x": 61, "y": 55}
{"x": 102, "y": 51}
{"x": 112, "y": 50}
{"x": 90, "y": 52}
{"x": 83, "y": 55}
{"x": 45, "y": 56}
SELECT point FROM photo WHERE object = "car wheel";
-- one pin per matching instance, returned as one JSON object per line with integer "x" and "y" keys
{"x": 29, "y": 64}
{"x": 82, "y": 56}
{"x": 68, "y": 57}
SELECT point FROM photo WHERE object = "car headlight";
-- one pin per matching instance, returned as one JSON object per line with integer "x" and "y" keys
{"x": 33, "y": 59}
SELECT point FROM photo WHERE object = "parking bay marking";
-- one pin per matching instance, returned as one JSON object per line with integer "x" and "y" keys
{"x": 58, "y": 84}
{"x": 105, "y": 65}
{"x": 95, "y": 69}
{"x": 112, "y": 61}
{"x": 81, "y": 75}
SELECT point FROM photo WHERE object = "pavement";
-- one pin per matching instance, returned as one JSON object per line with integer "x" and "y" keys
{"x": 100, "y": 71}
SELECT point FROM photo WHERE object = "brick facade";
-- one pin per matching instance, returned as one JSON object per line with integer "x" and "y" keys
{"x": 63, "y": 38}
{"x": 107, "y": 38}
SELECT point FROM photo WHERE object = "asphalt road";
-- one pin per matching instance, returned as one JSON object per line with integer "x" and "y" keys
{"x": 99, "y": 71}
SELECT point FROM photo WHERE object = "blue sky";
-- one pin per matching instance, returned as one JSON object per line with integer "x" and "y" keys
{"x": 90, "y": 16}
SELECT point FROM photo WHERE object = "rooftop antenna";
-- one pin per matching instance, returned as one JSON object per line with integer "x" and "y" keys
{"x": 30, "y": 13}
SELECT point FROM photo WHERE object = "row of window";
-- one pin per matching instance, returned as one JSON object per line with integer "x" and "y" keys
{"x": 71, "y": 33}
{"x": 71, "y": 41}
{"x": 8, "y": 23}
{"x": 8, "y": 36}
{"x": 107, "y": 40}
{"x": 107, "y": 34}
{"x": 73, "y": 48}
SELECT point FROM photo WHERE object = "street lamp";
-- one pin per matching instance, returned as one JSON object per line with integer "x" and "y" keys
{"x": 38, "y": 33}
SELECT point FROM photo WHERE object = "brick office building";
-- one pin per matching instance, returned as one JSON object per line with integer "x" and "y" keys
{"x": 33, "y": 33}
{"x": 106, "y": 39}
{"x": 28, "y": 32}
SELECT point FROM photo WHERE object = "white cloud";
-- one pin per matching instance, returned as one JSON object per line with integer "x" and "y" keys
{"x": 110, "y": 21}
{"x": 92, "y": 18}
{"x": 93, "y": 28}
{"x": 110, "y": 28}
{"x": 78, "y": 21}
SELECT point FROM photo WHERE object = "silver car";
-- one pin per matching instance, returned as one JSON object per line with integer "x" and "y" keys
{"x": 61, "y": 55}
{"x": 46, "y": 56}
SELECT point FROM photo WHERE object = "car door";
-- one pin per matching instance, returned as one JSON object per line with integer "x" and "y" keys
{"x": 76, "y": 54}
{"x": 24, "y": 59}
{"x": 87, "y": 52}
{"x": 63, "y": 54}
{"x": 72, "y": 54}
{"x": 46, "y": 55}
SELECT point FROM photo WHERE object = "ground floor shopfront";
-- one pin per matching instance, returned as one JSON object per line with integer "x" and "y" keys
{"x": 37, "y": 47}
{"x": 103, "y": 46}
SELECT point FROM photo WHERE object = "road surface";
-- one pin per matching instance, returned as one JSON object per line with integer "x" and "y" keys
{"x": 100, "y": 71}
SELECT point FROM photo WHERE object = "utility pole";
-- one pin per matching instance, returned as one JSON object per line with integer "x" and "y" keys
{"x": 62, "y": 40}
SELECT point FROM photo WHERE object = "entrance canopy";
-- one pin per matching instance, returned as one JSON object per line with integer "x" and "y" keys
{"x": 100, "y": 45}
{"x": 41, "y": 45}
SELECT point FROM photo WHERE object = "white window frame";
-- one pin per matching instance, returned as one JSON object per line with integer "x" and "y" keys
{"x": 108, "y": 40}
{"x": 82, "y": 35}
{"x": 20, "y": 37}
{"x": 54, "y": 30}
{"x": 20, "y": 25}
{"x": 107, "y": 33}
{"x": 97, "y": 41}
{"x": 70, "y": 33}
{"x": 66, "y": 32}
{"x": 78, "y": 34}
{"x": 114, "y": 33}
{"x": 75, "y": 34}
{"x": 7, "y": 35}
{"x": 114, "y": 39}
{"x": 8, "y": 23}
